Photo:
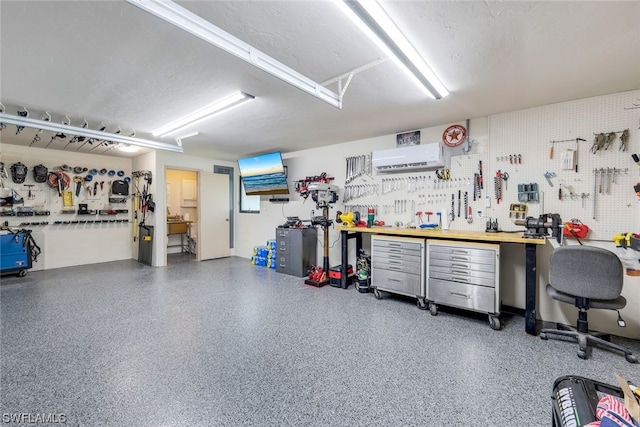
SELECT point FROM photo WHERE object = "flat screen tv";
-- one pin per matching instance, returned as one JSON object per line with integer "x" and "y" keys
{"x": 263, "y": 175}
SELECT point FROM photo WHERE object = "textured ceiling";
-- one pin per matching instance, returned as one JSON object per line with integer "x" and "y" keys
{"x": 114, "y": 63}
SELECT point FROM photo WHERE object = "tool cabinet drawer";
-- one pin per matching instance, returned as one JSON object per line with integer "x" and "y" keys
{"x": 479, "y": 278}
{"x": 386, "y": 243}
{"x": 397, "y": 281}
{"x": 477, "y": 298}
{"x": 412, "y": 265}
{"x": 460, "y": 265}
{"x": 476, "y": 256}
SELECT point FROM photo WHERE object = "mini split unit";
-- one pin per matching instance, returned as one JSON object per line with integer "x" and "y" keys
{"x": 414, "y": 157}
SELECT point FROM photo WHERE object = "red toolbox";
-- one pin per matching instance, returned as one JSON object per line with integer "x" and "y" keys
{"x": 335, "y": 276}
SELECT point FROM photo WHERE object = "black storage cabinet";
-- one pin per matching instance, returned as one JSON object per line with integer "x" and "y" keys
{"x": 296, "y": 250}
{"x": 145, "y": 245}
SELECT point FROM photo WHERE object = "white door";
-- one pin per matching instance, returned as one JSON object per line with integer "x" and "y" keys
{"x": 213, "y": 216}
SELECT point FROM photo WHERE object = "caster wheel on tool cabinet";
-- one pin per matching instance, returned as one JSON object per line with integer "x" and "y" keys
{"x": 433, "y": 309}
{"x": 21, "y": 273}
{"x": 422, "y": 304}
{"x": 377, "y": 294}
{"x": 543, "y": 336}
{"x": 631, "y": 358}
{"x": 494, "y": 323}
{"x": 582, "y": 354}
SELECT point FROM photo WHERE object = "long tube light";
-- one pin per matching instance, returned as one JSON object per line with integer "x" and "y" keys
{"x": 204, "y": 113}
{"x": 384, "y": 32}
{"x": 205, "y": 30}
{"x": 89, "y": 133}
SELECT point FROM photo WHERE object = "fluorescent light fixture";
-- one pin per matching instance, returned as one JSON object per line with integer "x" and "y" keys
{"x": 89, "y": 133}
{"x": 204, "y": 113}
{"x": 376, "y": 24}
{"x": 205, "y": 30}
{"x": 128, "y": 148}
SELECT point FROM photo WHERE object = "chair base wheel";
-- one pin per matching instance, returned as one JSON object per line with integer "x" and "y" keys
{"x": 582, "y": 354}
{"x": 543, "y": 336}
{"x": 631, "y": 358}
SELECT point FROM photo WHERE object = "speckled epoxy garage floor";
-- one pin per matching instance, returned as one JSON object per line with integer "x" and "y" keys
{"x": 223, "y": 342}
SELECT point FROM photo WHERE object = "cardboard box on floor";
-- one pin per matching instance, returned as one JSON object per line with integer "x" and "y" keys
{"x": 630, "y": 401}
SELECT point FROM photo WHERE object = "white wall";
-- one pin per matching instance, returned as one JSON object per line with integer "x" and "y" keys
{"x": 71, "y": 244}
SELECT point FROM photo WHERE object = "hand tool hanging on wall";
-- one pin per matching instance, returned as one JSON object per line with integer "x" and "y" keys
{"x": 480, "y": 180}
{"x": 136, "y": 178}
{"x": 624, "y": 138}
{"x": 497, "y": 184}
{"x": 598, "y": 142}
{"x": 595, "y": 190}
{"x": 452, "y": 214}
{"x": 459, "y": 202}
{"x": 610, "y": 138}
{"x": 78, "y": 180}
{"x": 466, "y": 205}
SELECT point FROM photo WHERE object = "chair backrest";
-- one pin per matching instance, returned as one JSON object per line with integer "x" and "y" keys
{"x": 586, "y": 271}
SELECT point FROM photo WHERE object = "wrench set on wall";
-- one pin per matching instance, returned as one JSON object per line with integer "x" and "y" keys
{"x": 355, "y": 191}
{"x": 358, "y": 166}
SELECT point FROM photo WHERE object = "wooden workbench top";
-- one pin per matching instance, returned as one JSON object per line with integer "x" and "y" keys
{"x": 480, "y": 236}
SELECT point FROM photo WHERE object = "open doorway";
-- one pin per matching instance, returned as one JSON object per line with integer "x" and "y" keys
{"x": 182, "y": 215}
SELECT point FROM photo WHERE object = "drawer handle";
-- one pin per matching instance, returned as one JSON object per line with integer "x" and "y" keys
{"x": 464, "y": 273}
{"x": 460, "y": 294}
{"x": 459, "y": 258}
{"x": 460, "y": 265}
{"x": 397, "y": 245}
{"x": 283, "y": 265}
{"x": 395, "y": 256}
{"x": 395, "y": 280}
{"x": 395, "y": 251}
{"x": 396, "y": 268}
{"x": 395, "y": 262}
{"x": 460, "y": 251}
{"x": 461, "y": 279}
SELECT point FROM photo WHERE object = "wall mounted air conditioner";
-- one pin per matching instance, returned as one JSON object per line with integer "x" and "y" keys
{"x": 412, "y": 157}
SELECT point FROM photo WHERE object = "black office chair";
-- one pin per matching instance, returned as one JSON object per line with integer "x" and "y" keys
{"x": 588, "y": 277}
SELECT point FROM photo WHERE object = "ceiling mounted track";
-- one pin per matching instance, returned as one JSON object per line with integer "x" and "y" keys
{"x": 205, "y": 30}
{"x": 21, "y": 121}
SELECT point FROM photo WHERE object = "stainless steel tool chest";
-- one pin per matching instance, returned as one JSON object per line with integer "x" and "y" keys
{"x": 464, "y": 275}
{"x": 397, "y": 266}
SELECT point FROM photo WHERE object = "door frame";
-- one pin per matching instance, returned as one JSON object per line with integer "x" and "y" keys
{"x": 166, "y": 200}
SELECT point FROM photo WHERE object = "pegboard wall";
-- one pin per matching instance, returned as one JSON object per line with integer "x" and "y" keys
{"x": 41, "y": 205}
{"x": 518, "y": 145}
{"x": 600, "y": 193}
{"x": 409, "y": 199}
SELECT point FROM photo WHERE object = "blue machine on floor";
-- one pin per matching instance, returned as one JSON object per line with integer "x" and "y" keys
{"x": 18, "y": 250}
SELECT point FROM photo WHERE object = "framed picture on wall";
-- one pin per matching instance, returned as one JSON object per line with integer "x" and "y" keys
{"x": 408, "y": 138}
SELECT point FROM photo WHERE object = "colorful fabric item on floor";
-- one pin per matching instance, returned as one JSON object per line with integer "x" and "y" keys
{"x": 612, "y": 413}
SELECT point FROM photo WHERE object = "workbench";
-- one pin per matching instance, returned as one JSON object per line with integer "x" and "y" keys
{"x": 183, "y": 228}
{"x": 530, "y": 245}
